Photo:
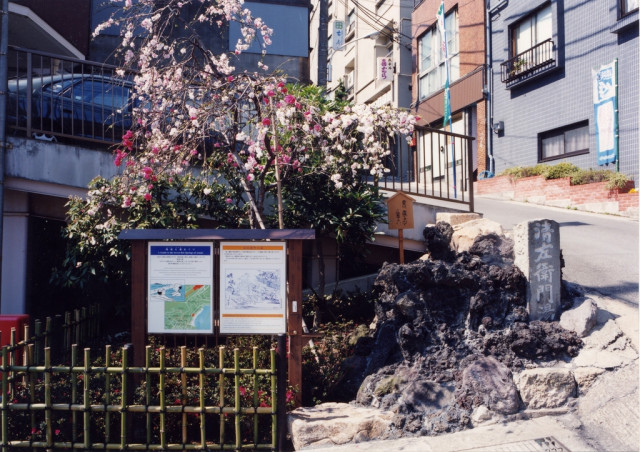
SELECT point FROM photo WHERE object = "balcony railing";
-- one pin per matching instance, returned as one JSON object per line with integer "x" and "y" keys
{"x": 52, "y": 97}
{"x": 530, "y": 62}
{"x": 439, "y": 166}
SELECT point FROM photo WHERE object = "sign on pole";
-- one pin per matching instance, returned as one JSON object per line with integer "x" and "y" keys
{"x": 400, "y": 217}
{"x": 253, "y": 297}
{"x": 338, "y": 35}
{"x": 180, "y": 287}
{"x": 385, "y": 69}
{"x": 605, "y": 106}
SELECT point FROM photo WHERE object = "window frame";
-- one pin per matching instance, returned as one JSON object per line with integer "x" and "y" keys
{"x": 432, "y": 34}
{"x": 562, "y": 131}
{"x": 622, "y": 8}
{"x": 513, "y": 28}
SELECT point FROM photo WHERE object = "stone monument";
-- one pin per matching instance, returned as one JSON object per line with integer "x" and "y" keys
{"x": 537, "y": 254}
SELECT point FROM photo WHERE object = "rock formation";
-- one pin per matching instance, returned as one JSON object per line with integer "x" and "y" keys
{"x": 449, "y": 331}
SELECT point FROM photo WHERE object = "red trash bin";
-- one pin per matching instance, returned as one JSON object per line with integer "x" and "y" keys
{"x": 17, "y": 321}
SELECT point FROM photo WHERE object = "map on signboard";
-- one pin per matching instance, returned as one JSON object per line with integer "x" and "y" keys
{"x": 186, "y": 307}
{"x": 253, "y": 289}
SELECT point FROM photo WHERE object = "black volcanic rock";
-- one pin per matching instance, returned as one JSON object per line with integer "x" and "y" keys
{"x": 456, "y": 324}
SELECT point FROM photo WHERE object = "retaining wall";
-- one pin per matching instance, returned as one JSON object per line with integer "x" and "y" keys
{"x": 595, "y": 197}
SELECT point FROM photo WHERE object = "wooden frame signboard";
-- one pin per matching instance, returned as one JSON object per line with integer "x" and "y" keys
{"x": 175, "y": 273}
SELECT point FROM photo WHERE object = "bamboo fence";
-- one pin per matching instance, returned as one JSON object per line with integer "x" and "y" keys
{"x": 110, "y": 405}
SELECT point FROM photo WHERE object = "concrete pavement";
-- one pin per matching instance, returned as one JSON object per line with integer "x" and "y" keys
{"x": 541, "y": 434}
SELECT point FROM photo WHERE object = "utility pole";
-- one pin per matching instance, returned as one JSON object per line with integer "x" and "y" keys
{"x": 323, "y": 36}
{"x": 4, "y": 49}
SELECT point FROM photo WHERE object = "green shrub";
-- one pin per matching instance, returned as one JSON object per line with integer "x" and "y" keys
{"x": 561, "y": 170}
{"x": 322, "y": 365}
{"x": 518, "y": 172}
{"x": 578, "y": 176}
{"x": 617, "y": 180}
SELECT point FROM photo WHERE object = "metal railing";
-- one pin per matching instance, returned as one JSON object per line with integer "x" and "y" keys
{"x": 51, "y": 96}
{"x": 539, "y": 57}
{"x": 438, "y": 165}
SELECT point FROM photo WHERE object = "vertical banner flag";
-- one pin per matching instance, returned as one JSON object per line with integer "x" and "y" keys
{"x": 443, "y": 39}
{"x": 605, "y": 109}
{"x": 447, "y": 96}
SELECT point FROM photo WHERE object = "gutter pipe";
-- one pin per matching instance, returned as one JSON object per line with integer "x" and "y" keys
{"x": 489, "y": 61}
{"x": 4, "y": 48}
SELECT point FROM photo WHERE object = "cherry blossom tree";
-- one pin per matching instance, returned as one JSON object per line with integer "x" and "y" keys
{"x": 211, "y": 143}
{"x": 195, "y": 115}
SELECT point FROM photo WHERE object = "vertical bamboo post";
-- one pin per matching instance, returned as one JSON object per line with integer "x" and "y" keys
{"x": 38, "y": 341}
{"x": 74, "y": 392}
{"x": 221, "y": 389}
{"x": 76, "y": 327}
{"x": 48, "y": 331}
{"x": 183, "y": 398}
{"x": 147, "y": 388}
{"x": 163, "y": 401}
{"x": 83, "y": 325}
{"x": 86, "y": 398}
{"x": 28, "y": 339}
{"x": 47, "y": 396}
{"x": 255, "y": 396}
{"x": 123, "y": 401}
{"x": 201, "y": 381}
{"x": 236, "y": 383}
{"x": 67, "y": 331}
{"x": 12, "y": 362}
{"x": 107, "y": 394}
{"x": 55, "y": 340}
{"x": 3, "y": 403}
{"x": 32, "y": 384}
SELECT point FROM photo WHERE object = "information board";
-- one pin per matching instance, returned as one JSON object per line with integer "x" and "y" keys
{"x": 180, "y": 285}
{"x": 253, "y": 278}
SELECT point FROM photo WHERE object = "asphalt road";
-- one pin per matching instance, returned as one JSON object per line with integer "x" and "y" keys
{"x": 600, "y": 251}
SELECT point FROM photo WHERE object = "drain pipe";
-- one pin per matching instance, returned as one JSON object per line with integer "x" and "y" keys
{"x": 489, "y": 61}
{"x": 4, "y": 48}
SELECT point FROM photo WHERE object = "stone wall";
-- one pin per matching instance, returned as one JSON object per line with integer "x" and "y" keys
{"x": 593, "y": 197}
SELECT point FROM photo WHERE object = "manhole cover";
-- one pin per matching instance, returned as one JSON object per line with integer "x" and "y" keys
{"x": 547, "y": 444}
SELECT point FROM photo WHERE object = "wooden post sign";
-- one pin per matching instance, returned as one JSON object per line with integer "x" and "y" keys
{"x": 400, "y": 211}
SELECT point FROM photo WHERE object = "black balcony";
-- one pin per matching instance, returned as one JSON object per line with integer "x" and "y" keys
{"x": 533, "y": 61}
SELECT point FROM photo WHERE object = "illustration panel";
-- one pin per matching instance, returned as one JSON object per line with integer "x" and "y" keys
{"x": 253, "y": 287}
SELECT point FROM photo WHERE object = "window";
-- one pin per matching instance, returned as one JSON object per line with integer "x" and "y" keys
{"x": 564, "y": 142}
{"x": 533, "y": 30}
{"x": 351, "y": 22}
{"x": 626, "y": 6}
{"x": 431, "y": 61}
{"x": 532, "y": 50}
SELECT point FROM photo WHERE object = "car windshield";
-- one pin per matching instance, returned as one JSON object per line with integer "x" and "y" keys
{"x": 57, "y": 87}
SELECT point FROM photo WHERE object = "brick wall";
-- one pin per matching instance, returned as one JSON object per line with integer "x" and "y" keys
{"x": 560, "y": 193}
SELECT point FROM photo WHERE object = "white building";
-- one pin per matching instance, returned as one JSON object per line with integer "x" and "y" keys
{"x": 360, "y": 36}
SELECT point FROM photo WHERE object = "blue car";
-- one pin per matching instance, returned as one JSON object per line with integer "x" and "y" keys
{"x": 88, "y": 106}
